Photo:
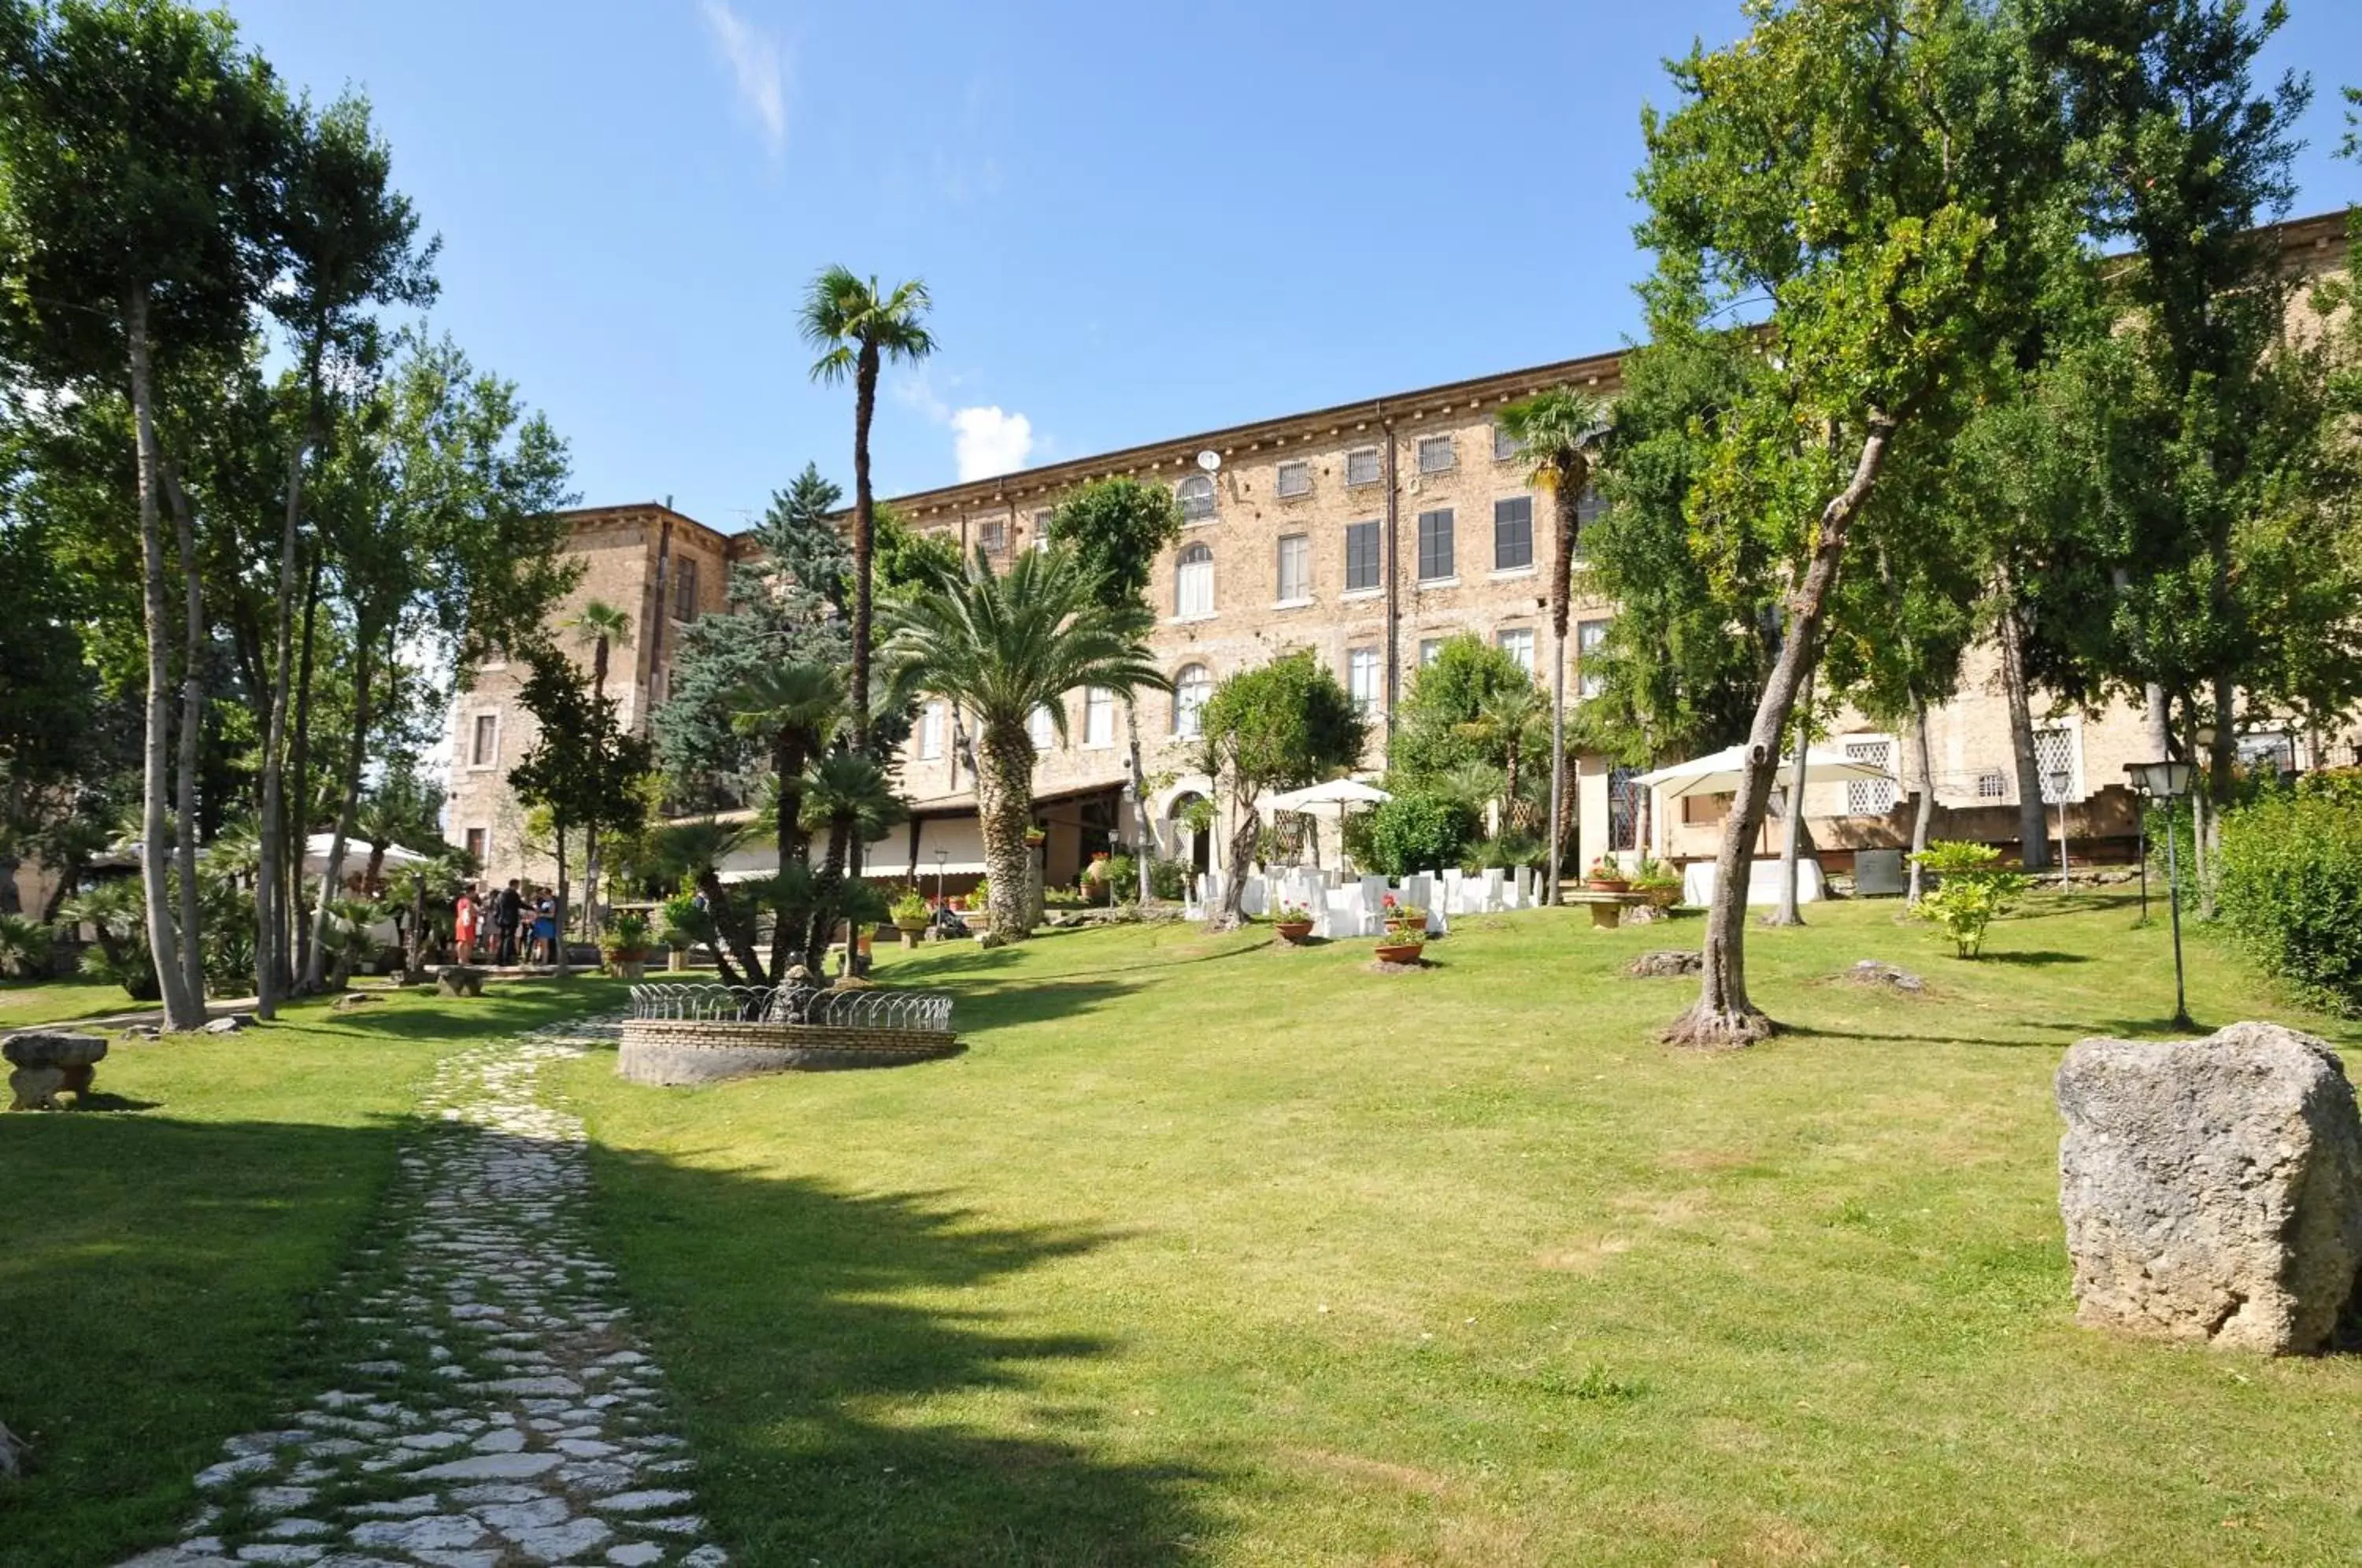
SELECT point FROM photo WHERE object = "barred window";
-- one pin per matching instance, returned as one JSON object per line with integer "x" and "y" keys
{"x": 1870, "y": 796}
{"x": 1992, "y": 784}
{"x": 1295, "y": 478}
{"x": 1504, "y": 446}
{"x": 1362, "y": 466}
{"x": 1435, "y": 544}
{"x": 1197, "y": 497}
{"x": 1436, "y": 454}
{"x": 992, "y": 537}
{"x": 1362, "y": 555}
{"x": 1513, "y": 533}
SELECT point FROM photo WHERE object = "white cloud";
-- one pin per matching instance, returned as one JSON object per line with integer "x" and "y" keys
{"x": 988, "y": 441}
{"x": 758, "y": 61}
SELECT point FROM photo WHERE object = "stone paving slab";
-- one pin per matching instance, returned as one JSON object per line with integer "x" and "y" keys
{"x": 504, "y": 1412}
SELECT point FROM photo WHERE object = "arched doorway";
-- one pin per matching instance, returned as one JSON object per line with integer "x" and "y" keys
{"x": 1192, "y": 843}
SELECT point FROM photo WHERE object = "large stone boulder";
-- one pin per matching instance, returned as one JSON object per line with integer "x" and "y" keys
{"x": 2212, "y": 1188}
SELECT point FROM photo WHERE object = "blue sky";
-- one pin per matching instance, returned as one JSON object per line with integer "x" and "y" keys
{"x": 1137, "y": 221}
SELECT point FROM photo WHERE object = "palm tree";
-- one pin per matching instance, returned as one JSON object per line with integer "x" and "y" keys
{"x": 599, "y": 625}
{"x": 1558, "y": 431}
{"x": 1505, "y": 716}
{"x": 796, "y": 707}
{"x": 1006, "y": 647}
{"x": 857, "y": 327}
{"x": 854, "y": 797}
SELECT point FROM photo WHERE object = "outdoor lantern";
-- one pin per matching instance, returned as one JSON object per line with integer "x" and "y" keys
{"x": 2166, "y": 780}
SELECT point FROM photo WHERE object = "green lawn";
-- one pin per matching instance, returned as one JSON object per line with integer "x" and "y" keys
{"x": 158, "y": 1250}
{"x": 53, "y": 1001}
{"x": 1211, "y": 1252}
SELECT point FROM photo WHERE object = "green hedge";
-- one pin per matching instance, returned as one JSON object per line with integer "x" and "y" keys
{"x": 1416, "y": 833}
{"x": 2288, "y": 884}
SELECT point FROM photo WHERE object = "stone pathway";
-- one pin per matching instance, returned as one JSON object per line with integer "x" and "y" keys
{"x": 502, "y": 1412}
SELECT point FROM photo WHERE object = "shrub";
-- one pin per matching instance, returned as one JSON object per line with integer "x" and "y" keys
{"x": 1972, "y": 888}
{"x": 1511, "y": 848}
{"x": 627, "y": 932}
{"x": 1123, "y": 879}
{"x": 2288, "y": 886}
{"x": 1169, "y": 878}
{"x": 686, "y": 922}
{"x": 911, "y": 908}
{"x": 1419, "y": 833}
{"x": 24, "y": 948}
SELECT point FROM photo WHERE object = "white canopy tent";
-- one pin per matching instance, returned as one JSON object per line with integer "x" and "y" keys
{"x": 1721, "y": 773}
{"x": 1337, "y": 795}
{"x": 356, "y": 854}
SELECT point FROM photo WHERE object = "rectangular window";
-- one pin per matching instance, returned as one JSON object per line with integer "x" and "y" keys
{"x": 1362, "y": 563}
{"x": 1362, "y": 467}
{"x": 1504, "y": 448}
{"x": 1513, "y": 533}
{"x": 1430, "y": 650}
{"x": 479, "y": 845}
{"x": 1098, "y": 717}
{"x": 992, "y": 537}
{"x": 1518, "y": 642}
{"x": 1042, "y": 524}
{"x": 1870, "y": 796}
{"x": 1434, "y": 544}
{"x": 1295, "y": 478}
{"x": 1436, "y": 454}
{"x": 930, "y": 732}
{"x": 684, "y": 589}
{"x": 487, "y": 748}
{"x": 1992, "y": 784}
{"x": 1043, "y": 729}
{"x": 1587, "y": 508}
{"x": 1295, "y": 568}
{"x": 2055, "y": 759}
{"x": 1590, "y": 640}
{"x": 1362, "y": 678}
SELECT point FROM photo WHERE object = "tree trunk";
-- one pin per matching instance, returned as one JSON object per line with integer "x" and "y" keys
{"x": 792, "y": 846}
{"x": 414, "y": 958}
{"x": 270, "y": 888}
{"x": 1566, "y": 506}
{"x": 182, "y": 1010}
{"x": 733, "y": 937}
{"x": 1923, "y": 813}
{"x": 1004, "y": 795}
{"x": 293, "y": 936}
{"x": 192, "y": 724}
{"x": 864, "y": 405}
{"x": 591, "y": 915}
{"x": 317, "y": 963}
{"x": 1234, "y": 912}
{"x": 557, "y": 911}
{"x": 2033, "y": 829}
{"x": 1135, "y": 785}
{"x": 1791, "y": 824}
{"x": 1724, "y": 1016}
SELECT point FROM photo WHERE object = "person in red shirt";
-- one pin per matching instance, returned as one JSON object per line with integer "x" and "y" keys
{"x": 463, "y": 926}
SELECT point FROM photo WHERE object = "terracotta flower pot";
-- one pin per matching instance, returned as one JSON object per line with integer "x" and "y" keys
{"x": 1293, "y": 931}
{"x": 1400, "y": 952}
{"x": 1608, "y": 885}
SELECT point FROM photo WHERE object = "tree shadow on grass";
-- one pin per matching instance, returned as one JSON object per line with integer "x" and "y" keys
{"x": 849, "y": 1401}
{"x": 2038, "y": 958}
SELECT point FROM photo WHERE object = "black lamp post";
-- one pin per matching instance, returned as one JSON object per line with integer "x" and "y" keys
{"x": 2169, "y": 781}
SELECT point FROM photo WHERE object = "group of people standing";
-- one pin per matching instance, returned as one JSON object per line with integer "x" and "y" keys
{"x": 514, "y": 924}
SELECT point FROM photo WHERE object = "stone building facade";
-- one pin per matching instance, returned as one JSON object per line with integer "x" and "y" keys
{"x": 1369, "y": 533}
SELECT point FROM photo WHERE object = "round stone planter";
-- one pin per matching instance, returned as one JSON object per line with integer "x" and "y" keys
{"x": 673, "y": 1051}
{"x": 49, "y": 1063}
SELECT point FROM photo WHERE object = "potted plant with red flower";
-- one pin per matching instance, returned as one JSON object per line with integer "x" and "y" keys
{"x": 1607, "y": 877}
{"x": 1294, "y": 923}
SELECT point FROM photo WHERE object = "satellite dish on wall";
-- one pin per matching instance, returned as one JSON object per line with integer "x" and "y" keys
{"x": 1210, "y": 460}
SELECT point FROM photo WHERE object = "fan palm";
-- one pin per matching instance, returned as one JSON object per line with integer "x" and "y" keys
{"x": 1006, "y": 647}
{"x": 795, "y": 707}
{"x": 599, "y": 627}
{"x": 853, "y": 796}
{"x": 1559, "y": 432}
{"x": 857, "y": 326}
{"x": 1505, "y": 718}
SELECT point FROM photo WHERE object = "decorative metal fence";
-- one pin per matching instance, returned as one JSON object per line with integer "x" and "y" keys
{"x": 919, "y": 1011}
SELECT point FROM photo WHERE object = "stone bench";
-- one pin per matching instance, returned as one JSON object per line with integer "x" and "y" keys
{"x": 49, "y": 1064}
{"x": 1607, "y": 908}
{"x": 459, "y": 980}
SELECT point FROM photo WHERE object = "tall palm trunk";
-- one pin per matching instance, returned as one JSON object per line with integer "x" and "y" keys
{"x": 790, "y": 750}
{"x": 1136, "y": 789}
{"x": 270, "y": 893}
{"x": 192, "y": 721}
{"x": 1724, "y": 1016}
{"x": 1566, "y": 502}
{"x": 1004, "y": 793}
{"x": 182, "y": 1010}
{"x": 315, "y": 967}
{"x": 865, "y": 406}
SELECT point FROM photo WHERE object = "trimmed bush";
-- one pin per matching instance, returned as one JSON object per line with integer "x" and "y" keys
{"x": 1169, "y": 880}
{"x": 2288, "y": 884}
{"x": 1973, "y": 887}
{"x": 1419, "y": 833}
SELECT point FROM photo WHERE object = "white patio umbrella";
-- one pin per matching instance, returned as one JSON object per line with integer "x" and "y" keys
{"x": 357, "y": 853}
{"x": 1721, "y": 772}
{"x": 1338, "y": 795}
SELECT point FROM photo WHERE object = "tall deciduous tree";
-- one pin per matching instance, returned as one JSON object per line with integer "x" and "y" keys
{"x": 1005, "y": 646}
{"x": 1279, "y": 726}
{"x": 1559, "y": 432}
{"x": 138, "y": 149}
{"x": 582, "y": 768}
{"x": 599, "y": 627}
{"x": 351, "y": 244}
{"x": 1875, "y": 170}
{"x": 1119, "y": 526}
